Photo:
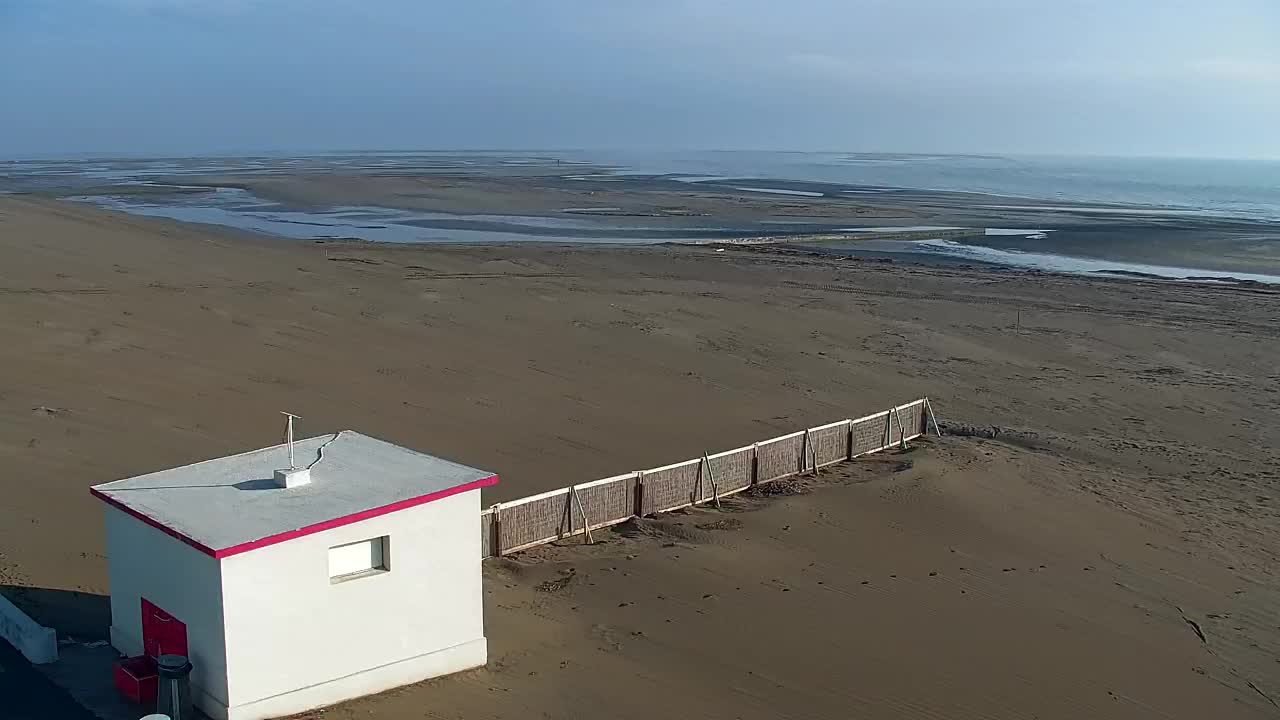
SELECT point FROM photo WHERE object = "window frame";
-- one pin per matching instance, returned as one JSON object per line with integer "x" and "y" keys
{"x": 382, "y": 568}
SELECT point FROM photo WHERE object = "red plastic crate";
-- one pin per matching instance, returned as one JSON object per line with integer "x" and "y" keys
{"x": 136, "y": 679}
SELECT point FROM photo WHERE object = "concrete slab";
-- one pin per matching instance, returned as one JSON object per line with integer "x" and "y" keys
{"x": 83, "y": 672}
{"x": 27, "y": 694}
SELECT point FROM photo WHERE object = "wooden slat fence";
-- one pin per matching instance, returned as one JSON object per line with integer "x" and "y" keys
{"x": 557, "y": 514}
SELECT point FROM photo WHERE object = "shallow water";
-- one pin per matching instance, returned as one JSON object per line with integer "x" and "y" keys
{"x": 1055, "y": 263}
{"x": 238, "y": 209}
{"x": 1228, "y": 188}
{"x": 1113, "y": 187}
{"x": 900, "y": 228}
{"x": 780, "y": 191}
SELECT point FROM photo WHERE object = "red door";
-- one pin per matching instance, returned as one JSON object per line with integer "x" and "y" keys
{"x": 162, "y": 633}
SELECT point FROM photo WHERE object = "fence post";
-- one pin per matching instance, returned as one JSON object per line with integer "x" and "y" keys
{"x": 804, "y": 451}
{"x": 848, "y": 439}
{"x": 755, "y": 463}
{"x": 639, "y": 493}
{"x": 902, "y": 429}
{"x": 696, "y": 495}
{"x": 566, "y": 516}
{"x": 497, "y": 530}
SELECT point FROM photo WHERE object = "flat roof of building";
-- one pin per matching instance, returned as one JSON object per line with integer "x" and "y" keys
{"x": 232, "y": 504}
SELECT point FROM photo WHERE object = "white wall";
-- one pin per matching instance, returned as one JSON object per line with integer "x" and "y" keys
{"x": 288, "y": 627}
{"x": 184, "y": 582}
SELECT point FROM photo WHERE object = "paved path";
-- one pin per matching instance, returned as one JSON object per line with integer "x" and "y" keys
{"x": 25, "y": 694}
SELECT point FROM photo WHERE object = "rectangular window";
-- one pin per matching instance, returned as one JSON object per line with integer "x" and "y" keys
{"x": 359, "y": 559}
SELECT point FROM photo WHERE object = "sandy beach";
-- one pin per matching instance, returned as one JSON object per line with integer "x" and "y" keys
{"x": 1112, "y": 553}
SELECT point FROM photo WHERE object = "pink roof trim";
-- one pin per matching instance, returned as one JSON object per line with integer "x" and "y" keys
{"x": 302, "y": 531}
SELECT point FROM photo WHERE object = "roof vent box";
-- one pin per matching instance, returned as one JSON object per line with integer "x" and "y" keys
{"x": 292, "y": 478}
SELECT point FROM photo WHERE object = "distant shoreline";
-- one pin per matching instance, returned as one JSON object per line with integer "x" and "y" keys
{"x": 476, "y": 199}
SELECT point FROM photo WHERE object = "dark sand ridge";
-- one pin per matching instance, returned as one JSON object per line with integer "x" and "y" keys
{"x": 134, "y": 344}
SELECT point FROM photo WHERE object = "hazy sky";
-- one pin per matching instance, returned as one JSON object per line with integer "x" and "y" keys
{"x": 1127, "y": 77}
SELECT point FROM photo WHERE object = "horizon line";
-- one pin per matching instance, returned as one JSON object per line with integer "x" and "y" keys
{"x": 318, "y": 152}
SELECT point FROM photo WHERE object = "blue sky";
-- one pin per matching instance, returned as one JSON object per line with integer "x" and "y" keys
{"x": 1120, "y": 77}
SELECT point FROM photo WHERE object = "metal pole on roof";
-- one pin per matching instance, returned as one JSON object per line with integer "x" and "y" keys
{"x": 289, "y": 436}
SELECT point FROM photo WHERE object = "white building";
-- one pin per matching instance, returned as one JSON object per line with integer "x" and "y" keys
{"x": 290, "y": 590}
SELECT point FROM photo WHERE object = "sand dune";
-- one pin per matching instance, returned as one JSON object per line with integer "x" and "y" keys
{"x": 969, "y": 585}
{"x": 1144, "y": 476}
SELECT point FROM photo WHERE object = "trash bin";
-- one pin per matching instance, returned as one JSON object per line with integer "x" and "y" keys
{"x": 173, "y": 697}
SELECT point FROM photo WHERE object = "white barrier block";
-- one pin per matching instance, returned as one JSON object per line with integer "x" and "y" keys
{"x": 36, "y": 642}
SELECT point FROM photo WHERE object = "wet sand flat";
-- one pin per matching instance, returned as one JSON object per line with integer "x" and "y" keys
{"x": 1142, "y": 413}
{"x": 491, "y": 197}
{"x": 665, "y": 208}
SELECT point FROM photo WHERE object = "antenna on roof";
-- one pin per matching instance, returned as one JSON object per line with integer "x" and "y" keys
{"x": 288, "y": 435}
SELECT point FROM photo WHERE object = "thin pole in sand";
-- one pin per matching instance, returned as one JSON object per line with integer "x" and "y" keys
{"x": 928, "y": 406}
{"x": 1018, "y": 325}
{"x": 586, "y": 525}
{"x": 288, "y": 434}
{"x": 902, "y": 429}
{"x": 715, "y": 489}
